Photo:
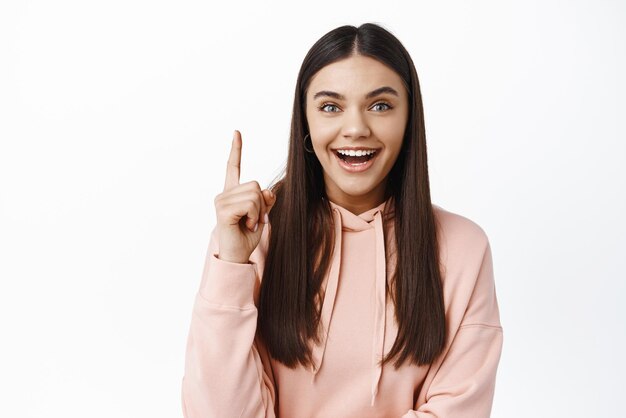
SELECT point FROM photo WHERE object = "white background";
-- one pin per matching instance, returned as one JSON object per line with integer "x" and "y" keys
{"x": 115, "y": 124}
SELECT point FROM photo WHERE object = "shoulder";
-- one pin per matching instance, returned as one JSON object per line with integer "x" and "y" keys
{"x": 454, "y": 228}
{"x": 462, "y": 242}
{"x": 467, "y": 270}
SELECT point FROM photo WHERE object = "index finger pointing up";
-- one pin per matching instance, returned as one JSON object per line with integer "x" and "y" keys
{"x": 234, "y": 162}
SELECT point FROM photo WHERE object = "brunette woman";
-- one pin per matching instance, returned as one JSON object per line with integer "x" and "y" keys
{"x": 342, "y": 290}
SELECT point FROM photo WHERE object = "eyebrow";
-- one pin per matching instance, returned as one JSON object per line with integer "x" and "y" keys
{"x": 373, "y": 93}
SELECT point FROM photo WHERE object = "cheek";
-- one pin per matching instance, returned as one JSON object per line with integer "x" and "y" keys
{"x": 392, "y": 135}
{"x": 323, "y": 132}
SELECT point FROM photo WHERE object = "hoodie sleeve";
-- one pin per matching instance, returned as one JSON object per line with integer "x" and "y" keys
{"x": 462, "y": 382}
{"x": 224, "y": 375}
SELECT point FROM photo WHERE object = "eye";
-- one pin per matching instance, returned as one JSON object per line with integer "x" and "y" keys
{"x": 329, "y": 108}
{"x": 381, "y": 106}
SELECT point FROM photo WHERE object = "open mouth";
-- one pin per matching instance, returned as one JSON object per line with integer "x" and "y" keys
{"x": 355, "y": 157}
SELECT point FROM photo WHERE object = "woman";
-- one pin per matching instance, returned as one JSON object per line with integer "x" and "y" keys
{"x": 342, "y": 291}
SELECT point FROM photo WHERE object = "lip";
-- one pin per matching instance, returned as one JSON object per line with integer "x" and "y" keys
{"x": 356, "y": 168}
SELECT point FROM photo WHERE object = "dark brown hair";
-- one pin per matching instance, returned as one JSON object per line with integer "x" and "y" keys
{"x": 301, "y": 238}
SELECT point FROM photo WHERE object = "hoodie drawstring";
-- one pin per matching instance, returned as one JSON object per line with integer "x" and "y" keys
{"x": 380, "y": 316}
{"x": 380, "y": 309}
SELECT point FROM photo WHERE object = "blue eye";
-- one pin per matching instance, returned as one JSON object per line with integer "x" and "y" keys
{"x": 328, "y": 105}
{"x": 387, "y": 106}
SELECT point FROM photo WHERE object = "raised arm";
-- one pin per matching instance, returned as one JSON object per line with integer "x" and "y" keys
{"x": 224, "y": 374}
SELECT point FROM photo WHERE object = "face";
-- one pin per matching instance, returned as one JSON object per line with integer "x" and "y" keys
{"x": 357, "y": 110}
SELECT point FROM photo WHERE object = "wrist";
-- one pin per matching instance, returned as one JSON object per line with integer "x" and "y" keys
{"x": 232, "y": 258}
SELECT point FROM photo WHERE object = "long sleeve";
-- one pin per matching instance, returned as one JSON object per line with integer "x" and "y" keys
{"x": 224, "y": 374}
{"x": 463, "y": 379}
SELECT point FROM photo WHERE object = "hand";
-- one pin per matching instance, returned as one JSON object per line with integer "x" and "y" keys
{"x": 242, "y": 211}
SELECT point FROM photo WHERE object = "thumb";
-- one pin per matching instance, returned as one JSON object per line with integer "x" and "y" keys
{"x": 270, "y": 199}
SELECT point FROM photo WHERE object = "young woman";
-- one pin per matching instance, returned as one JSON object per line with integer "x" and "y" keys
{"x": 342, "y": 291}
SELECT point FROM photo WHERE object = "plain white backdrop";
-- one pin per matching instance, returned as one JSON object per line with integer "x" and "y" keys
{"x": 115, "y": 124}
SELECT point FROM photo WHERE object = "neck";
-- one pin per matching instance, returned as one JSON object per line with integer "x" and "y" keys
{"x": 357, "y": 205}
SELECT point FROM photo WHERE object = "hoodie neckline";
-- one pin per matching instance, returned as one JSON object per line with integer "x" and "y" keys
{"x": 356, "y": 223}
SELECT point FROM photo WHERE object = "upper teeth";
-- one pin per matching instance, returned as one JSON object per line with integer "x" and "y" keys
{"x": 357, "y": 153}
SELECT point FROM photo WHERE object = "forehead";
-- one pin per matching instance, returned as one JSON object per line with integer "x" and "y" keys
{"x": 354, "y": 75}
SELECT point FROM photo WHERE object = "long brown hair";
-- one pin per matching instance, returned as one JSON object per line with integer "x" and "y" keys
{"x": 301, "y": 238}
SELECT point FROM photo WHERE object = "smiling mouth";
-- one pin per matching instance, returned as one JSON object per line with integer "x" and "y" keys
{"x": 355, "y": 157}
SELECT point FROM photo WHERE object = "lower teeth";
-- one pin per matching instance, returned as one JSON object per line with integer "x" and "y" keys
{"x": 363, "y": 161}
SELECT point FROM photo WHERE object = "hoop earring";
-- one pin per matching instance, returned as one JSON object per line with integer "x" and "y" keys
{"x": 305, "y": 148}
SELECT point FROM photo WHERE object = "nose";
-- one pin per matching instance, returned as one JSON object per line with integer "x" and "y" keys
{"x": 355, "y": 125}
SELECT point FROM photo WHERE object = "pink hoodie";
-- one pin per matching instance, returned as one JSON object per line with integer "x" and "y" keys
{"x": 228, "y": 372}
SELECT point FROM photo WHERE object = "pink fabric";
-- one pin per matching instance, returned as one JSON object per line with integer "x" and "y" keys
{"x": 228, "y": 372}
